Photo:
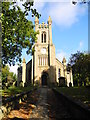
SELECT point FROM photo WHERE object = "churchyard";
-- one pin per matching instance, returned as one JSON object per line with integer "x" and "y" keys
{"x": 44, "y": 95}
{"x": 11, "y": 91}
{"x": 77, "y": 93}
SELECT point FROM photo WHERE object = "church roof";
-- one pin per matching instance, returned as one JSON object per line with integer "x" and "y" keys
{"x": 29, "y": 62}
{"x": 59, "y": 61}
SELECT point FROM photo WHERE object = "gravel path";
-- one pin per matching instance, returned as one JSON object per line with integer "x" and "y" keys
{"x": 49, "y": 107}
{"x": 41, "y": 110}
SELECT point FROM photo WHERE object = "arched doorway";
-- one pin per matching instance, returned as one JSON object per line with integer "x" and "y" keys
{"x": 44, "y": 78}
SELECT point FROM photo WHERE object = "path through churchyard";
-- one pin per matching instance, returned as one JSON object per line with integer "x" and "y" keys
{"x": 41, "y": 104}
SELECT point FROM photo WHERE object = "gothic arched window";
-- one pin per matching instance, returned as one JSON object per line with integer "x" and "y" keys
{"x": 43, "y": 37}
{"x": 59, "y": 73}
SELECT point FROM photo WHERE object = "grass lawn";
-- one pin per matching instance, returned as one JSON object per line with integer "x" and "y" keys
{"x": 11, "y": 91}
{"x": 78, "y": 93}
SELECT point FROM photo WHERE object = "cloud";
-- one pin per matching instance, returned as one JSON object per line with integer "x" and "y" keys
{"x": 52, "y": 1}
{"x": 81, "y": 44}
{"x": 65, "y": 14}
{"x": 62, "y": 12}
{"x": 13, "y": 69}
{"x": 80, "y": 47}
{"x": 60, "y": 54}
{"x": 19, "y": 3}
{"x": 39, "y": 6}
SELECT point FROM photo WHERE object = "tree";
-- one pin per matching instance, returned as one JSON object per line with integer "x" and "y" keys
{"x": 80, "y": 2}
{"x": 7, "y": 76}
{"x": 17, "y": 31}
{"x": 5, "y": 73}
{"x": 80, "y": 63}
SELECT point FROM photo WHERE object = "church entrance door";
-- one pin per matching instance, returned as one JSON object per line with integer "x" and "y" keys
{"x": 44, "y": 79}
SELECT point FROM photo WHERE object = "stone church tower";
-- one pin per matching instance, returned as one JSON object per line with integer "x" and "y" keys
{"x": 44, "y": 68}
{"x": 44, "y": 55}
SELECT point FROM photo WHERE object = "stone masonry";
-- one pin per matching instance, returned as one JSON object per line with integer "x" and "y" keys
{"x": 45, "y": 68}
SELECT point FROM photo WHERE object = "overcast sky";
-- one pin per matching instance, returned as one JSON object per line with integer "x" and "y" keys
{"x": 69, "y": 26}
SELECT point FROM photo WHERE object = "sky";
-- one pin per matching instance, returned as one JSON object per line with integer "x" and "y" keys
{"x": 69, "y": 27}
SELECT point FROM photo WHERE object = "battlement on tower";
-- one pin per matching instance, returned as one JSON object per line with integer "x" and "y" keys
{"x": 45, "y": 31}
{"x": 43, "y": 25}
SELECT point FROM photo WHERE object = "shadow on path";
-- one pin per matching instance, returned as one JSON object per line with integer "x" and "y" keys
{"x": 42, "y": 104}
{"x": 57, "y": 111}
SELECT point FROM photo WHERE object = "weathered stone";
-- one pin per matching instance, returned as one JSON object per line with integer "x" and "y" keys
{"x": 44, "y": 68}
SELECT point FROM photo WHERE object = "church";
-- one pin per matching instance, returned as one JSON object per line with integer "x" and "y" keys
{"x": 44, "y": 68}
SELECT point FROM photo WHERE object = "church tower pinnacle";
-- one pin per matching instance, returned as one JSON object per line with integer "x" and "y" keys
{"x": 64, "y": 62}
{"x": 24, "y": 71}
{"x": 49, "y": 20}
{"x": 50, "y": 29}
{"x": 36, "y": 23}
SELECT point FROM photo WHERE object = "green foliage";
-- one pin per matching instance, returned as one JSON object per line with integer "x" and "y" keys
{"x": 11, "y": 91}
{"x": 5, "y": 73}
{"x": 80, "y": 63}
{"x": 8, "y": 78}
{"x": 80, "y": 2}
{"x": 17, "y": 31}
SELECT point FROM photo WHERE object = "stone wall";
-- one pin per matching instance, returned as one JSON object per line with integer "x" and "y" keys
{"x": 28, "y": 72}
{"x": 19, "y": 76}
{"x": 59, "y": 65}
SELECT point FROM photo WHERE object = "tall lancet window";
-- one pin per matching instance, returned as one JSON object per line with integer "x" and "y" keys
{"x": 59, "y": 73}
{"x": 43, "y": 37}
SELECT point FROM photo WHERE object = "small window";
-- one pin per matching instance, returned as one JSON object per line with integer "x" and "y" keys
{"x": 43, "y": 37}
